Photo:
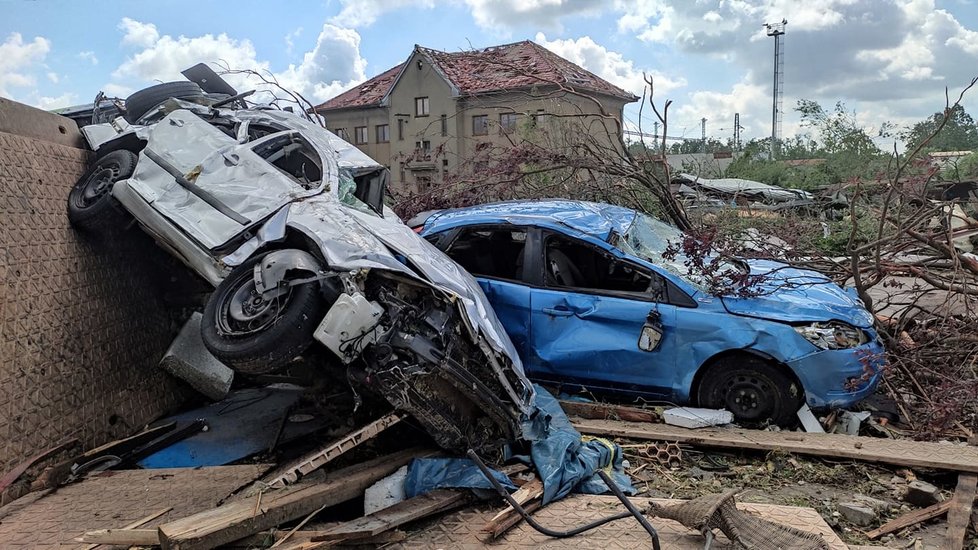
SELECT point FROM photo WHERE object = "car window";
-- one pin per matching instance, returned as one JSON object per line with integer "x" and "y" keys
{"x": 569, "y": 263}
{"x": 294, "y": 157}
{"x": 490, "y": 252}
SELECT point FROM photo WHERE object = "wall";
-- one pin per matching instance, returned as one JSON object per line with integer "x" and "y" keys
{"x": 82, "y": 323}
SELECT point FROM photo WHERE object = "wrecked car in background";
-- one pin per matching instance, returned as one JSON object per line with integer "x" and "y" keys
{"x": 287, "y": 221}
{"x": 590, "y": 299}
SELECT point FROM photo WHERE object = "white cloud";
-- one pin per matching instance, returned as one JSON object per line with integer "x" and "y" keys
{"x": 137, "y": 33}
{"x": 498, "y": 16}
{"x": 88, "y": 56}
{"x": 362, "y": 13}
{"x": 18, "y": 59}
{"x": 751, "y": 101}
{"x": 333, "y": 65}
{"x": 53, "y": 77}
{"x": 47, "y": 103}
{"x": 289, "y": 45}
{"x": 609, "y": 65}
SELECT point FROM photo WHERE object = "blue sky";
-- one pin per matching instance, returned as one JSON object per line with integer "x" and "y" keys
{"x": 888, "y": 60}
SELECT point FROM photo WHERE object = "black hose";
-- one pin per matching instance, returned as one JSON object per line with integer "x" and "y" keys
{"x": 632, "y": 511}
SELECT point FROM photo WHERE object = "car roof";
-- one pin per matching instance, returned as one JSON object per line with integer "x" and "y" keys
{"x": 591, "y": 218}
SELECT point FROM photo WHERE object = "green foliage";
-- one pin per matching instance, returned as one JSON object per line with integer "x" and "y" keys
{"x": 837, "y": 241}
{"x": 962, "y": 169}
{"x": 959, "y": 134}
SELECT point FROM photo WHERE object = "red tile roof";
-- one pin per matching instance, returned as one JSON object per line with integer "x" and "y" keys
{"x": 369, "y": 93}
{"x": 512, "y": 66}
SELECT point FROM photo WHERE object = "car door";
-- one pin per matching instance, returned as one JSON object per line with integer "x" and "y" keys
{"x": 215, "y": 188}
{"x": 589, "y": 314}
{"x": 495, "y": 254}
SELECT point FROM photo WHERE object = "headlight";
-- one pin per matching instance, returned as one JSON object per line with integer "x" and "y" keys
{"x": 832, "y": 335}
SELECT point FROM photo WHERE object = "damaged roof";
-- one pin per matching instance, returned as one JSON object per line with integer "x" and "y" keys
{"x": 519, "y": 65}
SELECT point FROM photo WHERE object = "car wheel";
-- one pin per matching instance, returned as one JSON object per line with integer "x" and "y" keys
{"x": 257, "y": 336}
{"x": 754, "y": 390}
{"x": 90, "y": 203}
{"x": 140, "y": 103}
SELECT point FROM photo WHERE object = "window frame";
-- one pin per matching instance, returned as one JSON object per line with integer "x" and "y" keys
{"x": 422, "y": 104}
{"x": 386, "y": 133}
{"x": 357, "y": 130}
{"x": 508, "y": 127}
{"x": 446, "y": 239}
{"x": 486, "y": 126}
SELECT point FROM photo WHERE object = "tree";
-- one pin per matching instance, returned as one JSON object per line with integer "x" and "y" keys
{"x": 960, "y": 133}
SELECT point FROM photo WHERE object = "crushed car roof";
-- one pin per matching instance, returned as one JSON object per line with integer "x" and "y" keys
{"x": 597, "y": 220}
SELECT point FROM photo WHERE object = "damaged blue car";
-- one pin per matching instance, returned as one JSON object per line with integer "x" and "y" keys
{"x": 593, "y": 297}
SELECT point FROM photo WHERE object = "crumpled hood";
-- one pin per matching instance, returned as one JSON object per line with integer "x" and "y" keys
{"x": 798, "y": 295}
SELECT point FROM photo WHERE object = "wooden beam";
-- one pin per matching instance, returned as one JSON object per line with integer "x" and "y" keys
{"x": 319, "y": 458}
{"x": 124, "y": 537}
{"x": 406, "y": 511}
{"x": 910, "y": 518}
{"x": 959, "y": 515}
{"x": 604, "y": 411}
{"x": 135, "y": 524}
{"x": 503, "y": 521}
{"x": 239, "y": 519}
{"x": 905, "y": 453}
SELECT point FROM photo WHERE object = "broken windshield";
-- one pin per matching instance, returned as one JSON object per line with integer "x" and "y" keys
{"x": 649, "y": 238}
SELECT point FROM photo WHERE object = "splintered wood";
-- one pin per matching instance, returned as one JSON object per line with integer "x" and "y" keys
{"x": 917, "y": 454}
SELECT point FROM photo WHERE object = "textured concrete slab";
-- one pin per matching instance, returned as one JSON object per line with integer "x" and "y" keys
{"x": 188, "y": 359}
{"x": 82, "y": 324}
{"x": 463, "y": 529}
{"x": 116, "y": 498}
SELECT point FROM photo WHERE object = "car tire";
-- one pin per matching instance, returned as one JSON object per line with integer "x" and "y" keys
{"x": 754, "y": 390}
{"x": 91, "y": 206}
{"x": 253, "y": 336}
{"x": 140, "y": 103}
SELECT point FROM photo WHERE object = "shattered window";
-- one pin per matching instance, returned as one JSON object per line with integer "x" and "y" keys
{"x": 293, "y": 156}
{"x": 347, "y": 192}
{"x": 490, "y": 252}
{"x": 570, "y": 263}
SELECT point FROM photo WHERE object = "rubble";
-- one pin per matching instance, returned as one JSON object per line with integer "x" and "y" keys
{"x": 921, "y": 493}
{"x": 858, "y": 513}
{"x": 189, "y": 360}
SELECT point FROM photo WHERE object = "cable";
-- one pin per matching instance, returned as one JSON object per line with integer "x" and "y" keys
{"x": 632, "y": 511}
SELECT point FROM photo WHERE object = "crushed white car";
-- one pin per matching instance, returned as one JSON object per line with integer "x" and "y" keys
{"x": 287, "y": 221}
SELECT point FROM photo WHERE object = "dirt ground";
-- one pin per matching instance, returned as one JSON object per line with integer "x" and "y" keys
{"x": 797, "y": 481}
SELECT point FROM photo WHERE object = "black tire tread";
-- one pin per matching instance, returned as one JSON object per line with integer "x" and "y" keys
{"x": 270, "y": 350}
{"x": 140, "y": 103}
{"x": 786, "y": 407}
{"x": 105, "y": 214}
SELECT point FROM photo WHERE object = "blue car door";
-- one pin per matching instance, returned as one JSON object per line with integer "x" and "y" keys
{"x": 589, "y": 313}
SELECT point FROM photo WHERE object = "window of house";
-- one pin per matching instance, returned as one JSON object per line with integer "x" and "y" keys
{"x": 360, "y": 135}
{"x": 400, "y": 129}
{"x": 444, "y": 125}
{"x": 538, "y": 117}
{"x": 421, "y": 106}
{"x": 341, "y": 133}
{"x": 507, "y": 122}
{"x": 383, "y": 133}
{"x": 424, "y": 146}
{"x": 423, "y": 181}
{"x": 574, "y": 264}
{"x": 480, "y": 125}
{"x": 490, "y": 252}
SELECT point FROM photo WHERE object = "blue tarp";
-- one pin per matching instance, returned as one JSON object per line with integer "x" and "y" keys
{"x": 564, "y": 460}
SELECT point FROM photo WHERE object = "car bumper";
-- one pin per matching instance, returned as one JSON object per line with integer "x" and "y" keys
{"x": 839, "y": 378}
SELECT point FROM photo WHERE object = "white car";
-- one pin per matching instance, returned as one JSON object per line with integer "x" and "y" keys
{"x": 287, "y": 221}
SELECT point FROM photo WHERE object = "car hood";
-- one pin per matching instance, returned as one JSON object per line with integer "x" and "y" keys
{"x": 794, "y": 295}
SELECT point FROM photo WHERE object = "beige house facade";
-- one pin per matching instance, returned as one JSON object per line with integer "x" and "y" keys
{"x": 428, "y": 118}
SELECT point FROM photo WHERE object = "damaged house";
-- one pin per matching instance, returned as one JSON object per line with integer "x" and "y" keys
{"x": 428, "y": 116}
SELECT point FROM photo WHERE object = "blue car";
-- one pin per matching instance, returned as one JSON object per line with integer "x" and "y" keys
{"x": 590, "y": 300}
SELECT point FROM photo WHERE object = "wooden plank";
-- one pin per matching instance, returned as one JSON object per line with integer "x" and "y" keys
{"x": 403, "y": 512}
{"x": 524, "y": 494}
{"x": 238, "y": 519}
{"x": 135, "y": 524}
{"x": 959, "y": 515}
{"x": 910, "y": 518}
{"x": 512, "y": 520}
{"x": 126, "y": 537}
{"x": 905, "y": 453}
{"x": 19, "y": 470}
{"x": 605, "y": 411}
{"x": 319, "y": 458}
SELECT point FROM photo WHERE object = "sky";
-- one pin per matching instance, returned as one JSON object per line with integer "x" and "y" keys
{"x": 887, "y": 60}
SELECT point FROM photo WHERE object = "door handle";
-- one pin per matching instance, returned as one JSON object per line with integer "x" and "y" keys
{"x": 558, "y": 311}
{"x": 231, "y": 159}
